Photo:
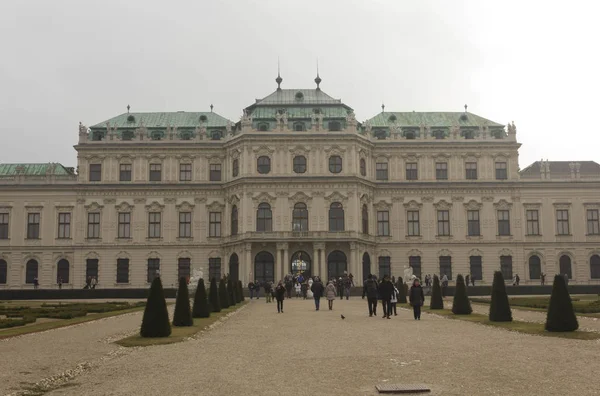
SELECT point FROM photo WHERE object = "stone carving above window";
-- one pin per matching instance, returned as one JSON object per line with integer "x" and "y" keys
{"x": 383, "y": 205}
{"x": 185, "y": 206}
{"x": 215, "y": 206}
{"x": 473, "y": 205}
{"x": 299, "y": 197}
{"x": 336, "y": 197}
{"x": 124, "y": 207}
{"x": 502, "y": 205}
{"x": 334, "y": 150}
{"x": 155, "y": 207}
{"x": 475, "y": 252}
{"x": 264, "y": 197}
{"x": 444, "y": 252}
{"x": 414, "y": 252}
{"x": 505, "y": 252}
{"x": 442, "y": 205}
{"x": 94, "y": 207}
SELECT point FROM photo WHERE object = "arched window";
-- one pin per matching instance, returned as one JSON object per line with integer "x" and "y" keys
{"x": 535, "y": 267}
{"x": 336, "y": 217}
{"x": 301, "y": 264}
{"x": 299, "y": 164}
{"x": 335, "y": 164}
{"x": 234, "y": 267}
{"x": 263, "y": 127}
{"x": 3, "y": 272}
{"x": 439, "y": 134}
{"x": 31, "y": 271}
{"x": 365, "y": 219}
{"x": 335, "y": 126}
{"x": 234, "y": 220}
{"x": 263, "y": 165}
{"x": 264, "y": 218}
{"x": 62, "y": 271}
{"x": 468, "y": 134}
{"x": 366, "y": 265}
{"x": 264, "y": 267}
{"x": 299, "y": 127}
{"x": 300, "y": 217}
{"x": 363, "y": 167}
{"x": 565, "y": 266}
{"x": 337, "y": 264}
{"x": 410, "y": 135}
{"x": 235, "y": 168}
{"x": 594, "y": 267}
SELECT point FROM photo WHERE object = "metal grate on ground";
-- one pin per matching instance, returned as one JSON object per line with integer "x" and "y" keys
{"x": 402, "y": 388}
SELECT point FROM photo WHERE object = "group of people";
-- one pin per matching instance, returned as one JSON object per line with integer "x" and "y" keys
{"x": 387, "y": 291}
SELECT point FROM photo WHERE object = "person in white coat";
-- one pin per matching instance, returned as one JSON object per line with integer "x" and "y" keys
{"x": 394, "y": 300}
{"x": 309, "y": 293}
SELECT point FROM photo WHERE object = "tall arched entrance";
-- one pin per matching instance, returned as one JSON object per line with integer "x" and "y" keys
{"x": 535, "y": 267}
{"x": 62, "y": 271}
{"x": 234, "y": 267}
{"x": 565, "y": 266}
{"x": 366, "y": 266}
{"x": 336, "y": 264}
{"x": 264, "y": 267}
{"x": 301, "y": 264}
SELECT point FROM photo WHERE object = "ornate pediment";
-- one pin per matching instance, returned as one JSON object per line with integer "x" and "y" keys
{"x": 92, "y": 255}
{"x": 414, "y": 252}
{"x": 383, "y": 205}
{"x": 124, "y": 207}
{"x": 299, "y": 197}
{"x": 475, "y": 252}
{"x": 502, "y": 205}
{"x": 562, "y": 205}
{"x": 442, "y": 205}
{"x": 384, "y": 252}
{"x": 264, "y": 197}
{"x": 473, "y": 205}
{"x": 497, "y": 156}
{"x": 215, "y": 158}
{"x": 125, "y": 158}
{"x": 382, "y": 158}
{"x": 263, "y": 150}
{"x": 234, "y": 199}
{"x": 185, "y": 206}
{"x": 441, "y": 156}
{"x": 336, "y": 197}
{"x": 412, "y": 204}
{"x": 215, "y": 206}
{"x": 123, "y": 255}
{"x": 362, "y": 153}
{"x": 532, "y": 205}
{"x": 61, "y": 208}
{"x": 300, "y": 150}
{"x": 505, "y": 252}
{"x": 235, "y": 153}
{"x": 184, "y": 254}
{"x": 334, "y": 150}
{"x": 365, "y": 199}
{"x": 155, "y": 207}
{"x": 444, "y": 252}
{"x": 153, "y": 254}
{"x": 94, "y": 207}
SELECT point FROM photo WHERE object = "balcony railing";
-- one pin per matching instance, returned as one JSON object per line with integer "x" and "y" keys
{"x": 298, "y": 235}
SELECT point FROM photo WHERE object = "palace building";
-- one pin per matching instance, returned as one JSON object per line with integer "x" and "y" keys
{"x": 298, "y": 184}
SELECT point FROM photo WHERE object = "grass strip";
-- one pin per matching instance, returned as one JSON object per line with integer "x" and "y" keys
{"x": 515, "y": 325}
{"x": 538, "y": 305}
{"x": 178, "y": 333}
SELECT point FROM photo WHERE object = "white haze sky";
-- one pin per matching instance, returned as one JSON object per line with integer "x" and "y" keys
{"x": 534, "y": 62}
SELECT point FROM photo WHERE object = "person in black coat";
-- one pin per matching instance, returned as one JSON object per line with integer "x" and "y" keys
{"x": 317, "y": 288}
{"x": 370, "y": 290}
{"x": 386, "y": 289}
{"x": 416, "y": 298}
{"x": 280, "y": 296}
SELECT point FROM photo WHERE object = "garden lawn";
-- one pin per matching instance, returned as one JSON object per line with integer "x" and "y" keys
{"x": 583, "y": 306}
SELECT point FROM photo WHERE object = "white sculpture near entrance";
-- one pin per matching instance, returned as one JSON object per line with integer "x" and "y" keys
{"x": 197, "y": 273}
{"x": 408, "y": 275}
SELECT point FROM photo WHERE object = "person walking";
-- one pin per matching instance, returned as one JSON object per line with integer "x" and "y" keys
{"x": 268, "y": 296}
{"x": 543, "y": 278}
{"x": 467, "y": 280}
{"x": 370, "y": 290}
{"x": 94, "y": 282}
{"x": 330, "y": 294}
{"x": 280, "y": 296}
{"x": 385, "y": 290}
{"x": 60, "y": 282}
{"x": 394, "y": 299}
{"x": 251, "y": 289}
{"x": 473, "y": 280}
{"x": 347, "y": 283}
{"x": 444, "y": 285}
{"x": 309, "y": 293}
{"x": 416, "y": 298}
{"x": 289, "y": 285}
{"x": 88, "y": 283}
{"x": 257, "y": 288}
{"x": 298, "y": 289}
{"x": 317, "y": 290}
{"x": 36, "y": 283}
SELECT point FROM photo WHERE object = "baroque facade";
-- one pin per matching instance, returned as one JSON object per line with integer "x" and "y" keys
{"x": 298, "y": 184}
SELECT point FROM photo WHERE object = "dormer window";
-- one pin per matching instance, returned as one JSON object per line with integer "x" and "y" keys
{"x": 299, "y": 96}
{"x": 468, "y": 134}
{"x": 380, "y": 134}
{"x": 263, "y": 127}
{"x": 186, "y": 135}
{"x": 299, "y": 127}
{"x": 335, "y": 126}
{"x": 498, "y": 134}
{"x": 410, "y": 135}
{"x": 156, "y": 135}
{"x": 127, "y": 135}
{"x": 216, "y": 135}
{"x": 203, "y": 118}
{"x": 97, "y": 136}
{"x": 439, "y": 134}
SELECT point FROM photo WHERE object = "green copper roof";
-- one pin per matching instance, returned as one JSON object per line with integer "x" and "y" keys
{"x": 297, "y": 97}
{"x": 34, "y": 169}
{"x": 432, "y": 119}
{"x": 178, "y": 119}
{"x": 299, "y": 112}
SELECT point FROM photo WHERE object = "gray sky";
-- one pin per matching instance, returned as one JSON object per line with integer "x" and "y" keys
{"x": 534, "y": 62}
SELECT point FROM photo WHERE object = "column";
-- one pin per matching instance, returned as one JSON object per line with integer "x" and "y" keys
{"x": 286, "y": 258}
{"x": 353, "y": 267}
{"x": 316, "y": 268}
{"x": 278, "y": 273}
{"x": 248, "y": 265}
{"x": 323, "y": 264}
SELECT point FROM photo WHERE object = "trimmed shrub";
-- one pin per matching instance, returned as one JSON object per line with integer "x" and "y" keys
{"x": 437, "y": 302}
{"x": 499, "y": 306}
{"x": 402, "y": 293}
{"x": 561, "y": 316}
{"x": 223, "y": 296}
{"x": 231, "y": 293}
{"x": 461, "y": 304}
{"x": 7, "y": 323}
{"x": 183, "y": 312}
{"x": 201, "y": 306}
{"x": 240, "y": 290}
{"x": 213, "y": 296}
{"x": 156, "y": 317}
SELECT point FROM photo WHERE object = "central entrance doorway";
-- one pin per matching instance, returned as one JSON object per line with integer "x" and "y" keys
{"x": 264, "y": 267}
{"x": 301, "y": 264}
{"x": 336, "y": 264}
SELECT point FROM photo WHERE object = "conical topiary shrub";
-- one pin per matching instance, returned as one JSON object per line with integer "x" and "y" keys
{"x": 401, "y": 291}
{"x": 223, "y": 296}
{"x": 437, "y": 302}
{"x": 561, "y": 316}
{"x": 201, "y": 306}
{"x": 499, "y": 306}
{"x": 183, "y": 311}
{"x": 156, "y": 317}
{"x": 461, "y": 304}
{"x": 231, "y": 293}
{"x": 240, "y": 290}
{"x": 213, "y": 296}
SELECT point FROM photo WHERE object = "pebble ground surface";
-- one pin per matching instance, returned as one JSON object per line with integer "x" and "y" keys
{"x": 256, "y": 351}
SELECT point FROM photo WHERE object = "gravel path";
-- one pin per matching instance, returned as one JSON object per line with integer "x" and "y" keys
{"x": 303, "y": 352}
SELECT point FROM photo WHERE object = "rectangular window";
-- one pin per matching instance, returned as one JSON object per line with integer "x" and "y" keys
{"x": 124, "y": 225}
{"x": 153, "y": 269}
{"x": 122, "y": 270}
{"x": 154, "y": 225}
{"x": 383, "y": 223}
{"x": 441, "y": 171}
{"x": 501, "y": 173}
{"x": 471, "y": 170}
{"x": 593, "y": 222}
{"x": 503, "y": 222}
{"x": 506, "y": 267}
{"x": 64, "y": 225}
{"x": 533, "y": 222}
{"x": 381, "y": 171}
{"x": 183, "y": 268}
{"x": 93, "y": 225}
{"x": 95, "y": 172}
{"x": 125, "y": 172}
{"x": 214, "y": 224}
{"x": 91, "y": 268}
{"x": 33, "y": 226}
{"x": 446, "y": 266}
{"x": 443, "y": 217}
{"x": 562, "y": 222}
{"x": 214, "y": 268}
{"x": 473, "y": 228}
{"x": 384, "y": 266}
{"x": 475, "y": 267}
{"x": 185, "y": 224}
{"x": 413, "y": 223}
{"x": 3, "y": 225}
{"x": 415, "y": 263}
{"x": 215, "y": 172}
{"x": 155, "y": 172}
{"x": 412, "y": 172}
{"x": 185, "y": 172}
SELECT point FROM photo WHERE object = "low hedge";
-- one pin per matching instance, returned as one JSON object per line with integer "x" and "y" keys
{"x": 7, "y": 323}
{"x": 580, "y": 306}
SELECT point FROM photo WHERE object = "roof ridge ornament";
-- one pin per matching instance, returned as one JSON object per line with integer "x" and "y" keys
{"x": 318, "y": 79}
{"x": 278, "y": 80}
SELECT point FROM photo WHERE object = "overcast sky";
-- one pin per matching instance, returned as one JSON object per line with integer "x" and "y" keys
{"x": 534, "y": 62}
